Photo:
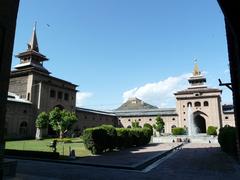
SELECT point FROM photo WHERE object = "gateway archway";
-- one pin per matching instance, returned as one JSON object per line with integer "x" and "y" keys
{"x": 200, "y": 124}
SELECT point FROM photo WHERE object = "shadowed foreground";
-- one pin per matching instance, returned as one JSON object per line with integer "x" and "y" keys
{"x": 194, "y": 161}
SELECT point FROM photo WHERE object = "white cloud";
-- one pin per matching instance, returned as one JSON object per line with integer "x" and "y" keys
{"x": 159, "y": 93}
{"x": 81, "y": 98}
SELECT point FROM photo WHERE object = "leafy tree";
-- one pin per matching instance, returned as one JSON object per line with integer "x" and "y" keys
{"x": 135, "y": 124}
{"x": 159, "y": 125}
{"x": 61, "y": 120}
{"x": 42, "y": 120}
{"x": 41, "y": 123}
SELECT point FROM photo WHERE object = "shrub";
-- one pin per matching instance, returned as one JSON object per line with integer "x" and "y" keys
{"x": 147, "y": 125}
{"x": 106, "y": 137}
{"x": 227, "y": 140}
{"x": 212, "y": 130}
{"x": 147, "y": 135}
{"x": 178, "y": 131}
{"x": 135, "y": 124}
{"x": 95, "y": 139}
{"x": 124, "y": 138}
{"x": 132, "y": 137}
{"x": 136, "y": 134}
{"x": 111, "y": 138}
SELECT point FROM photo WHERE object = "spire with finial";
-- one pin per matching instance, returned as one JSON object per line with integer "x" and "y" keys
{"x": 196, "y": 71}
{"x": 32, "y": 58}
{"x": 197, "y": 79}
{"x": 33, "y": 43}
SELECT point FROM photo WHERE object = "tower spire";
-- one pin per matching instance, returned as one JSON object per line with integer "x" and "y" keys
{"x": 196, "y": 71}
{"x": 32, "y": 58}
{"x": 33, "y": 43}
{"x": 197, "y": 80}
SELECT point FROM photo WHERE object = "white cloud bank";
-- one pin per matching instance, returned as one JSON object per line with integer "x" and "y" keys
{"x": 161, "y": 93}
{"x": 81, "y": 98}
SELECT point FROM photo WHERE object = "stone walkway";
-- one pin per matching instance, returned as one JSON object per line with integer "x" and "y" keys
{"x": 127, "y": 159}
{"x": 194, "y": 161}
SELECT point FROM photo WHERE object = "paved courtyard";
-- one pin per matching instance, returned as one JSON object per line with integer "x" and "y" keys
{"x": 193, "y": 161}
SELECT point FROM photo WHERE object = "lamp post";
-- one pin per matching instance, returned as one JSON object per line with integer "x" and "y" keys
{"x": 8, "y": 16}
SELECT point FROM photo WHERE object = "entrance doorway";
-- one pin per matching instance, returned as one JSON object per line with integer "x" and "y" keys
{"x": 200, "y": 124}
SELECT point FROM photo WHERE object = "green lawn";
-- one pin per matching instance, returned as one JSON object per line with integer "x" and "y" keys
{"x": 42, "y": 145}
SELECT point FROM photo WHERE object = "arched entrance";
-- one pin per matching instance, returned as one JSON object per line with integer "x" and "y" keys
{"x": 200, "y": 124}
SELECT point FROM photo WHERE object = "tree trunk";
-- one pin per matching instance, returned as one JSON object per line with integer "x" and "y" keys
{"x": 39, "y": 134}
{"x": 60, "y": 134}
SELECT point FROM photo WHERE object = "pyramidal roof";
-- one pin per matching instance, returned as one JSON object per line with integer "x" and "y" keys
{"x": 32, "y": 58}
{"x": 33, "y": 43}
{"x": 135, "y": 104}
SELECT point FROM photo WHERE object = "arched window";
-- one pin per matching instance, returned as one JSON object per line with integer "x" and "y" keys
{"x": 205, "y": 103}
{"x": 60, "y": 106}
{"x": 189, "y": 104}
{"x": 173, "y": 126}
{"x": 23, "y": 128}
{"x": 197, "y": 104}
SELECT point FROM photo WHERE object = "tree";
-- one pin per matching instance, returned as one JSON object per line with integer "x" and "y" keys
{"x": 135, "y": 124}
{"x": 41, "y": 123}
{"x": 159, "y": 125}
{"x": 61, "y": 120}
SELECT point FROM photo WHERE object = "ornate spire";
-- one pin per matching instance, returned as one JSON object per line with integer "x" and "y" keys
{"x": 33, "y": 44}
{"x": 196, "y": 71}
{"x": 197, "y": 80}
{"x": 32, "y": 58}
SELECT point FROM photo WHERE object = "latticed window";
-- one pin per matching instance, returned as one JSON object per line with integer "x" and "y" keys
{"x": 197, "y": 104}
{"x": 173, "y": 126}
{"x": 189, "y": 104}
{"x": 205, "y": 103}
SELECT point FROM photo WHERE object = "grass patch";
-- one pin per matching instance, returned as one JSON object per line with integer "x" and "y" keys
{"x": 42, "y": 145}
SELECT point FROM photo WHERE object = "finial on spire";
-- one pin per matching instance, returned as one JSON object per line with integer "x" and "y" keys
{"x": 33, "y": 44}
{"x": 196, "y": 71}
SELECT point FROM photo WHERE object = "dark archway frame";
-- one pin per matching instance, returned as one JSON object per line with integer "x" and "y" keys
{"x": 200, "y": 123}
{"x": 8, "y": 16}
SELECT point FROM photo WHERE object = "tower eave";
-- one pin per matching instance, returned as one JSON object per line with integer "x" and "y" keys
{"x": 32, "y": 53}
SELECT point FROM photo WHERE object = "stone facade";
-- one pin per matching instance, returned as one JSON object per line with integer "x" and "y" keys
{"x": 19, "y": 116}
{"x": 92, "y": 118}
{"x": 198, "y": 103}
{"x": 34, "y": 90}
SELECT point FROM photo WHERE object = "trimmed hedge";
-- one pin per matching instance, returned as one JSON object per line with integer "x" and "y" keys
{"x": 147, "y": 125}
{"x": 111, "y": 136}
{"x": 227, "y": 140}
{"x": 107, "y": 138}
{"x": 212, "y": 130}
{"x": 178, "y": 131}
{"x": 95, "y": 139}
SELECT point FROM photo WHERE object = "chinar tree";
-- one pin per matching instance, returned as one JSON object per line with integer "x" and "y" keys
{"x": 41, "y": 123}
{"x": 159, "y": 125}
{"x": 61, "y": 120}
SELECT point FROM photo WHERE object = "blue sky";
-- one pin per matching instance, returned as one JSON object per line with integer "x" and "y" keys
{"x": 114, "y": 49}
